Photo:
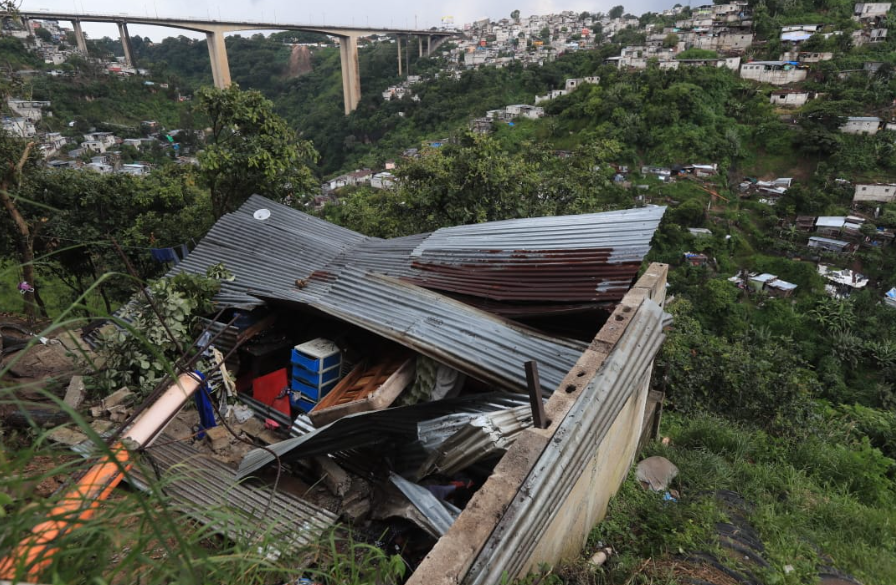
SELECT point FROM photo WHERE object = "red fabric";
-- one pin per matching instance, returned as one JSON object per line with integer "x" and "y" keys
{"x": 267, "y": 388}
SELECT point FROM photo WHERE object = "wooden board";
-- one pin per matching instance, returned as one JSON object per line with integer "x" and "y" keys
{"x": 367, "y": 387}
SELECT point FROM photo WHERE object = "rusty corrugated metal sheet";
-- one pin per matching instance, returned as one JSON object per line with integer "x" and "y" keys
{"x": 529, "y": 266}
{"x": 588, "y": 257}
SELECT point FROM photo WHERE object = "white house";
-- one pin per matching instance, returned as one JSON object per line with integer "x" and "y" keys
{"x": 136, "y": 169}
{"x": 31, "y": 109}
{"x": 879, "y": 192}
{"x": 383, "y": 180}
{"x": 573, "y": 83}
{"x": 867, "y": 10}
{"x": 94, "y": 145}
{"x": 106, "y": 138}
{"x": 773, "y": 72}
{"x": 525, "y": 111}
{"x": 553, "y": 94}
{"x": 861, "y": 125}
{"x": 789, "y": 99}
{"x": 21, "y": 127}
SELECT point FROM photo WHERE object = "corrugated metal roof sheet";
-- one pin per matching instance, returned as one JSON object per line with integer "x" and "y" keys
{"x": 266, "y": 255}
{"x": 482, "y": 437}
{"x": 204, "y": 488}
{"x": 439, "y": 515}
{"x": 475, "y": 342}
{"x": 588, "y": 257}
{"x": 368, "y": 428}
{"x": 577, "y": 258}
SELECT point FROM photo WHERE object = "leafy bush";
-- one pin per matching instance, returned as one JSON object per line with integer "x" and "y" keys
{"x": 142, "y": 353}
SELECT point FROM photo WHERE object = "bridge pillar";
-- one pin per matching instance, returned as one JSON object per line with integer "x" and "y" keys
{"x": 217, "y": 52}
{"x": 126, "y": 44}
{"x": 398, "y": 42}
{"x": 79, "y": 36}
{"x": 420, "y": 46}
{"x": 429, "y": 45}
{"x": 351, "y": 72}
{"x": 26, "y": 24}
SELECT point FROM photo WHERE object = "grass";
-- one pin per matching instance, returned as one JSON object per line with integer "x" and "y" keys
{"x": 55, "y": 294}
{"x": 816, "y": 498}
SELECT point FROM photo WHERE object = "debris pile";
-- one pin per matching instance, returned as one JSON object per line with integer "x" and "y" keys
{"x": 381, "y": 381}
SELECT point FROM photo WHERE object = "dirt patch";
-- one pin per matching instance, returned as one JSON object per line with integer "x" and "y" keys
{"x": 299, "y": 61}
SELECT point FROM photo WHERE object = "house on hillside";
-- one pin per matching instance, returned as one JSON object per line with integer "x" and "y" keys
{"x": 30, "y": 109}
{"x": 773, "y": 72}
{"x": 21, "y": 127}
{"x": 870, "y": 10}
{"x": 890, "y": 298}
{"x": 383, "y": 180}
{"x": 790, "y": 98}
{"x": 861, "y": 125}
{"x": 696, "y": 259}
{"x": 573, "y": 83}
{"x": 830, "y": 245}
{"x": 806, "y": 57}
{"x": 877, "y": 192}
{"x": 840, "y": 283}
{"x": 524, "y": 111}
{"x": 769, "y": 283}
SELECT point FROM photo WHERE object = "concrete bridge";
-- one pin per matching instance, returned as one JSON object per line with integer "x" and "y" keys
{"x": 214, "y": 34}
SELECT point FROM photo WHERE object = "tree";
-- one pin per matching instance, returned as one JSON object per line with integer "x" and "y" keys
{"x": 671, "y": 41}
{"x": 251, "y": 150}
{"x": 17, "y": 158}
{"x": 616, "y": 11}
{"x": 515, "y": 15}
{"x": 44, "y": 35}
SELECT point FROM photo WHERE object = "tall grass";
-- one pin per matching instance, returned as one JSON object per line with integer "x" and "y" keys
{"x": 816, "y": 500}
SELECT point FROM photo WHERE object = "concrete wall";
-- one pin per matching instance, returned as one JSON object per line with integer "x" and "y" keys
{"x": 881, "y": 193}
{"x": 586, "y": 505}
{"x": 860, "y": 127}
{"x": 792, "y": 100}
{"x": 769, "y": 75}
{"x": 595, "y": 422}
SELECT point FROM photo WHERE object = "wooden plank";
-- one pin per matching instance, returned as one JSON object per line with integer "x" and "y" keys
{"x": 391, "y": 379}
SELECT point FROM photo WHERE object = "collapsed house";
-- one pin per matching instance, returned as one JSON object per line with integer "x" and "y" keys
{"x": 473, "y": 380}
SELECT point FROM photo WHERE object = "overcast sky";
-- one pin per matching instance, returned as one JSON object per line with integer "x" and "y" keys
{"x": 384, "y": 13}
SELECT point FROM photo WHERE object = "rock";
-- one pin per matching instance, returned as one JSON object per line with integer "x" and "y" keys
{"x": 600, "y": 557}
{"x": 103, "y": 427}
{"x": 97, "y": 411}
{"x": 242, "y": 413}
{"x": 657, "y": 472}
{"x": 334, "y": 477}
{"x": 122, "y": 396}
{"x": 119, "y": 414}
{"x": 75, "y": 393}
{"x": 67, "y": 436}
{"x": 40, "y": 361}
{"x": 219, "y": 437}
